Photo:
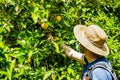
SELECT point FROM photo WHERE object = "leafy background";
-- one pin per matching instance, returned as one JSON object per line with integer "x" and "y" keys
{"x": 33, "y": 34}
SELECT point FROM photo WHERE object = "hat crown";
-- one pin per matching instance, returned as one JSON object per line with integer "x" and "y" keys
{"x": 96, "y": 35}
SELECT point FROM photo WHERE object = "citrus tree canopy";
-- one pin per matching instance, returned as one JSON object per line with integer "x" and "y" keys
{"x": 33, "y": 34}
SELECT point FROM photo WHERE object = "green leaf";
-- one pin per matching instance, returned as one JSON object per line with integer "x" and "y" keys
{"x": 3, "y": 72}
{"x": 6, "y": 56}
{"x": 20, "y": 73}
{"x": 72, "y": 41}
{"x": 36, "y": 8}
{"x": 70, "y": 71}
{"x": 8, "y": 28}
{"x": 56, "y": 47}
{"x": 10, "y": 70}
{"x": 21, "y": 42}
{"x": 1, "y": 44}
{"x": 35, "y": 17}
{"x": 62, "y": 77}
{"x": 30, "y": 54}
{"x": 47, "y": 74}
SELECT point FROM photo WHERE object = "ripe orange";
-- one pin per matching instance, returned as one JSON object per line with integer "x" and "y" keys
{"x": 58, "y": 18}
{"x": 44, "y": 26}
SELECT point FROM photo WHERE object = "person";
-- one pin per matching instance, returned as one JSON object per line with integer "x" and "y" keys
{"x": 93, "y": 50}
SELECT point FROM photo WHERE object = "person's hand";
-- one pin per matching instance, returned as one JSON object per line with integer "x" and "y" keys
{"x": 68, "y": 51}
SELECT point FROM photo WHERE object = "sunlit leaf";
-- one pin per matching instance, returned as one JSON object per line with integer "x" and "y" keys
{"x": 2, "y": 44}
{"x": 47, "y": 74}
{"x": 35, "y": 17}
{"x": 56, "y": 47}
{"x": 70, "y": 71}
{"x": 3, "y": 72}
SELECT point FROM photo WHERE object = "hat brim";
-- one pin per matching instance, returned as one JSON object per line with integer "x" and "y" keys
{"x": 81, "y": 37}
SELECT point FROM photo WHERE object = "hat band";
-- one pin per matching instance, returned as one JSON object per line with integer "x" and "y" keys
{"x": 99, "y": 46}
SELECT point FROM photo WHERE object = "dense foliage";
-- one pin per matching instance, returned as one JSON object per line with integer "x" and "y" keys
{"x": 33, "y": 34}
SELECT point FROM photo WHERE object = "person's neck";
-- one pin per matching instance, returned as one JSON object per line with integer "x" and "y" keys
{"x": 91, "y": 56}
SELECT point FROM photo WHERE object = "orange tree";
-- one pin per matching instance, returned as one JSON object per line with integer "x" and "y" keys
{"x": 33, "y": 34}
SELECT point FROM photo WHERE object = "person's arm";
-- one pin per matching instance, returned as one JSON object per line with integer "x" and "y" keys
{"x": 71, "y": 53}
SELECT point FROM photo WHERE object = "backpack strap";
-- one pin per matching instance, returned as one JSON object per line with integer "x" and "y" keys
{"x": 100, "y": 65}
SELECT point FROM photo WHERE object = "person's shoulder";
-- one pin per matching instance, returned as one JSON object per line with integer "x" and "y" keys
{"x": 101, "y": 74}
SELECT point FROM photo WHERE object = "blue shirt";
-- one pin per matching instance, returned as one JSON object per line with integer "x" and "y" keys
{"x": 98, "y": 73}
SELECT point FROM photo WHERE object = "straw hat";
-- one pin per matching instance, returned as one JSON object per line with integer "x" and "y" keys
{"x": 93, "y": 38}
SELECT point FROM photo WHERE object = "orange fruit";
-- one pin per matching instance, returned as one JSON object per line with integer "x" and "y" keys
{"x": 44, "y": 26}
{"x": 58, "y": 18}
